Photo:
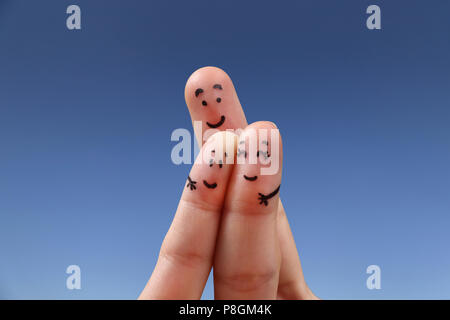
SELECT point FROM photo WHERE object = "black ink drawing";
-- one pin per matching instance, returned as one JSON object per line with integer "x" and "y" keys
{"x": 191, "y": 184}
{"x": 265, "y": 154}
{"x": 210, "y": 186}
{"x": 240, "y": 152}
{"x": 218, "y": 86}
{"x": 218, "y": 124}
{"x": 199, "y": 91}
{"x": 264, "y": 198}
{"x": 250, "y": 178}
{"x": 211, "y": 162}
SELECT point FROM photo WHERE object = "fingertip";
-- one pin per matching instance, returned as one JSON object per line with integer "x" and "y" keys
{"x": 212, "y": 102}
{"x": 266, "y": 132}
{"x": 197, "y": 79}
{"x": 264, "y": 124}
{"x": 268, "y": 125}
{"x": 223, "y": 144}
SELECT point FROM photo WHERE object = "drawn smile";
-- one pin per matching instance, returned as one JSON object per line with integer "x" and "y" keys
{"x": 250, "y": 178}
{"x": 210, "y": 186}
{"x": 218, "y": 124}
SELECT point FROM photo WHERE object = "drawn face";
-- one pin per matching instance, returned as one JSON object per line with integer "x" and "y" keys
{"x": 262, "y": 198}
{"x": 211, "y": 163}
{"x": 192, "y": 184}
{"x": 214, "y": 184}
{"x": 259, "y": 153}
{"x": 210, "y": 97}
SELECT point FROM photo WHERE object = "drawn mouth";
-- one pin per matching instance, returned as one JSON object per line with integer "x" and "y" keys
{"x": 218, "y": 124}
{"x": 250, "y": 178}
{"x": 210, "y": 186}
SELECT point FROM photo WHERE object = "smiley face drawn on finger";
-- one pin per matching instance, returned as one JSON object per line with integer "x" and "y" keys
{"x": 192, "y": 184}
{"x": 262, "y": 198}
{"x": 211, "y": 163}
{"x": 201, "y": 95}
{"x": 242, "y": 152}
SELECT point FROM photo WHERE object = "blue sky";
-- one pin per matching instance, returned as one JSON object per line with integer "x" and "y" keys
{"x": 86, "y": 117}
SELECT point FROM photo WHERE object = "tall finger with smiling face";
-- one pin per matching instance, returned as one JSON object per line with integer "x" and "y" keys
{"x": 213, "y": 102}
{"x": 247, "y": 261}
{"x": 187, "y": 252}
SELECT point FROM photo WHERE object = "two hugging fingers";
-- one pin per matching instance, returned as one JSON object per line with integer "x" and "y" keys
{"x": 230, "y": 216}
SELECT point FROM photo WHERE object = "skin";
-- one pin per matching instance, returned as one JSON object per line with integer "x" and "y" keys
{"x": 250, "y": 245}
{"x": 187, "y": 252}
{"x": 248, "y": 258}
{"x": 229, "y": 106}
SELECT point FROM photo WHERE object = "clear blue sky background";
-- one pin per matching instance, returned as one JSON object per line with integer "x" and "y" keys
{"x": 86, "y": 117}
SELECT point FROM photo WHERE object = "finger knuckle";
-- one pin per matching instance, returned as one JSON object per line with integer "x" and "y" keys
{"x": 245, "y": 281}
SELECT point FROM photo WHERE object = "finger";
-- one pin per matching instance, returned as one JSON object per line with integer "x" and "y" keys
{"x": 213, "y": 103}
{"x": 292, "y": 285}
{"x": 187, "y": 251}
{"x": 247, "y": 260}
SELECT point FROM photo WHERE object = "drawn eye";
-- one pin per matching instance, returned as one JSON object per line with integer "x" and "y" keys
{"x": 265, "y": 154}
{"x": 240, "y": 152}
{"x": 218, "y": 100}
{"x": 204, "y": 103}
